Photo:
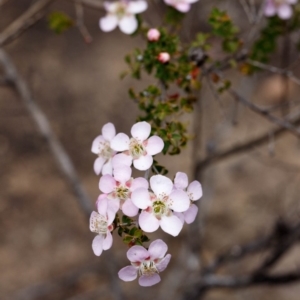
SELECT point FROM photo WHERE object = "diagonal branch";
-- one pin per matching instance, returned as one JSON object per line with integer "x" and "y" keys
{"x": 43, "y": 125}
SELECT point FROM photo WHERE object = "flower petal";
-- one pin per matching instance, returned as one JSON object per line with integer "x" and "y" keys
{"x": 109, "y": 131}
{"x": 97, "y": 244}
{"x": 120, "y": 142}
{"x": 182, "y": 7}
{"x": 107, "y": 242}
{"x": 157, "y": 249}
{"x": 129, "y": 209}
{"x": 154, "y": 145}
{"x": 161, "y": 266}
{"x": 139, "y": 182}
{"x": 148, "y": 222}
{"x": 141, "y": 198}
{"x": 161, "y": 185}
{"x": 121, "y": 159}
{"x": 171, "y": 225}
{"x": 107, "y": 184}
{"x": 98, "y": 164}
{"x": 195, "y": 190}
{"x": 122, "y": 173}
{"x": 179, "y": 201}
{"x": 108, "y": 23}
{"x": 181, "y": 181}
{"x": 270, "y": 9}
{"x": 136, "y": 7}
{"x": 191, "y": 214}
{"x": 128, "y": 24}
{"x": 141, "y": 131}
{"x": 102, "y": 204}
{"x": 96, "y": 145}
{"x": 284, "y": 11}
{"x": 137, "y": 254}
{"x": 149, "y": 280}
{"x": 143, "y": 163}
{"x": 107, "y": 168}
{"x": 128, "y": 273}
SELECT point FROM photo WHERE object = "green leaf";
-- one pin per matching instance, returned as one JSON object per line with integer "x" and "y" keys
{"x": 59, "y": 22}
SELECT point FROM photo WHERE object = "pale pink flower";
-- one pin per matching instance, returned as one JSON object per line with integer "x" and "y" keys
{"x": 194, "y": 192}
{"x": 101, "y": 147}
{"x": 181, "y": 5}
{"x": 139, "y": 148}
{"x": 118, "y": 188}
{"x": 147, "y": 263}
{"x": 122, "y": 14}
{"x": 282, "y": 8}
{"x": 163, "y": 57}
{"x": 153, "y": 35}
{"x": 158, "y": 206}
{"x": 101, "y": 223}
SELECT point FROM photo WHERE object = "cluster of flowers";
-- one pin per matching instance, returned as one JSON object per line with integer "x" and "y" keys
{"x": 282, "y": 8}
{"x": 122, "y": 13}
{"x": 164, "y": 203}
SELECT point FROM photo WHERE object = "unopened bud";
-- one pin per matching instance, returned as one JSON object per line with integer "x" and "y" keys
{"x": 163, "y": 57}
{"x": 153, "y": 35}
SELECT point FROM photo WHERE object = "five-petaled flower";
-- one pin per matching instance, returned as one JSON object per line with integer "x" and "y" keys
{"x": 194, "y": 192}
{"x": 181, "y": 5}
{"x": 101, "y": 147}
{"x": 147, "y": 263}
{"x": 282, "y": 8}
{"x": 158, "y": 206}
{"x": 122, "y": 13}
{"x": 139, "y": 148}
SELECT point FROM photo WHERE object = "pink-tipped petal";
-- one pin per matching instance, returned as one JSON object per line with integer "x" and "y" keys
{"x": 154, "y": 145}
{"x": 98, "y": 164}
{"x": 137, "y": 7}
{"x": 195, "y": 190}
{"x": 181, "y": 181}
{"x": 102, "y": 206}
{"x": 97, "y": 244}
{"x": 137, "y": 254}
{"x": 128, "y": 24}
{"x": 121, "y": 159}
{"x": 143, "y": 163}
{"x": 97, "y": 144}
{"x": 171, "y": 225}
{"x": 141, "y": 131}
{"x": 141, "y": 198}
{"x": 120, "y": 142}
{"x": 149, "y": 280}
{"x": 128, "y": 273}
{"x": 161, "y": 266}
{"x": 284, "y": 11}
{"x": 107, "y": 168}
{"x": 111, "y": 210}
{"x": 107, "y": 242}
{"x": 148, "y": 222}
{"x": 108, "y": 23}
{"x": 191, "y": 214}
{"x": 157, "y": 249}
{"x": 179, "y": 201}
{"x": 122, "y": 173}
{"x": 139, "y": 182}
{"x": 129, "y": 209}
{"x": 109, "y": 131}
{"x": 161, "y": 185}
{"x": 107, "y": 184}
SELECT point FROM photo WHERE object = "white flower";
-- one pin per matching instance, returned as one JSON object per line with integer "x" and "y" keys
{"x": 181, "y": 5}
{"x": 139, "y": 148}
{"x": 122, "y": 14}
{"x": 280, "y": 7}
{"x": 101, "y": 147}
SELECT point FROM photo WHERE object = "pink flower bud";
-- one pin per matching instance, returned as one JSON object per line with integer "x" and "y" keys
{"x": 153, "y": 35}
{"x": 163, "y": 57}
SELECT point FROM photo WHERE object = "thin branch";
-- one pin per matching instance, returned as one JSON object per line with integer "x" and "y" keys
{"x": 247, "y": 10}
{"x": 43, "y": 125}
{"x": 80, "y": 22}
{"x": 33, "y": 14}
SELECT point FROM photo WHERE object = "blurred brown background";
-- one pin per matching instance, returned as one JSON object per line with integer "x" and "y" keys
{"x": 45, "y": 242}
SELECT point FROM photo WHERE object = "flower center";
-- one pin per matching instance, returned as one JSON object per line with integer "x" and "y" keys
{"x": 160, "y": 208}
{"x": 136, "y": 149}
{"x": 120, "y": 10}
{"x": 122, "y": 192}
{"x": 147, "y": 268}
{"x": 104, "y": 150}
{"x": 99, "y": 224}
